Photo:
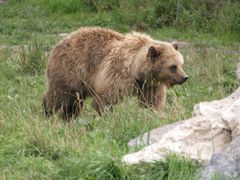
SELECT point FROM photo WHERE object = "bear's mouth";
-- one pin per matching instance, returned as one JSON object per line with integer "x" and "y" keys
{"x": 183, "y": 80}
{"x": 173, "y": 82}
{"x": 177, "y": 82}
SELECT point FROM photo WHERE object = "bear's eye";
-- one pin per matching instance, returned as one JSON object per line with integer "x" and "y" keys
{"x": 173, "y": 68}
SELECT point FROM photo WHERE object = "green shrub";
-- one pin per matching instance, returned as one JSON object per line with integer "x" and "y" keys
{"x": 199, "y": 16}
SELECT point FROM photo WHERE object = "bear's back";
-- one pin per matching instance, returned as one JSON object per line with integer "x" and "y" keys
{"x": 88, "y": 45}
{"x": 80, "y": 54}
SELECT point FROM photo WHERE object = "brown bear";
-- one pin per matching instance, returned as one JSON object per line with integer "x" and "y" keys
{"x": 108, "y": 65}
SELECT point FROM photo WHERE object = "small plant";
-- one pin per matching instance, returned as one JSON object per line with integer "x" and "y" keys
{"x": 174, "y": 167}
{"x": 40, "y": 143}
{"x": 32, "y": 58}
{"x": 94, "y": 166}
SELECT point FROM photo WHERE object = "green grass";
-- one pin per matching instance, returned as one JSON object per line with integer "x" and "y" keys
{"x": 32, "y": 147}
{"x": 21, "y": 20}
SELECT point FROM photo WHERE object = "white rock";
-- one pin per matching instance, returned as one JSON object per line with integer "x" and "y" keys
{"x": 215, "y": 108}
{"x": 197, "y": 138}
{"x": 152, "y": 136}
{"x": 213, "y": 125}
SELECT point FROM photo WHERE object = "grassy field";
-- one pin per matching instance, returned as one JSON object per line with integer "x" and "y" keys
{"x": 32, "y": 147}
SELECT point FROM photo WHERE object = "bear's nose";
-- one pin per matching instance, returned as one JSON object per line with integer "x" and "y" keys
{"x": 185, "y": 78}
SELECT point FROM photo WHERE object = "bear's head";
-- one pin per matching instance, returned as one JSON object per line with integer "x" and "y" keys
{"x": 166, "y": 63}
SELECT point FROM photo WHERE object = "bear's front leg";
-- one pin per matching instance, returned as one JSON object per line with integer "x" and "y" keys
{"x": 153, "y": 97}
{"x": 159, "y": 97}
{"x": 104, "y": 103}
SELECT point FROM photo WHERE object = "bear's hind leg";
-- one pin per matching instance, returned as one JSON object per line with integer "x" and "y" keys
{"x": 47, "y": 110}
{"x": 66, "y": 104}
{"x": 71, "y": 106}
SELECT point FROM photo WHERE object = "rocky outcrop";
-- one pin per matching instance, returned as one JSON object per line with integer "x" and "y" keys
{"x": 213, "y": 125}
{"x": 152, "y": 136}
{"x": 227, "y": 109}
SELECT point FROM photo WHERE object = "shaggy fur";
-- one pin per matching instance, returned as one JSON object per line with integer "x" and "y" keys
{"x": 107, "y": 65}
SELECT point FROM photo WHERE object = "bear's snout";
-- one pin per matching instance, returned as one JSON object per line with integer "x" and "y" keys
{"x": 179, "y": 80}
{"x": 185, "y": 79}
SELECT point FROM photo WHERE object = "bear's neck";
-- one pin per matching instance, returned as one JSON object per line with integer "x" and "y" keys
{"x": 138, "y": 63}
{"x": 134, "y": 51}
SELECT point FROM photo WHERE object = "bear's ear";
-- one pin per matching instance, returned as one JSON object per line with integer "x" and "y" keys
{"x": 175, "y": 45}
{"x": 153, "y": 53}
